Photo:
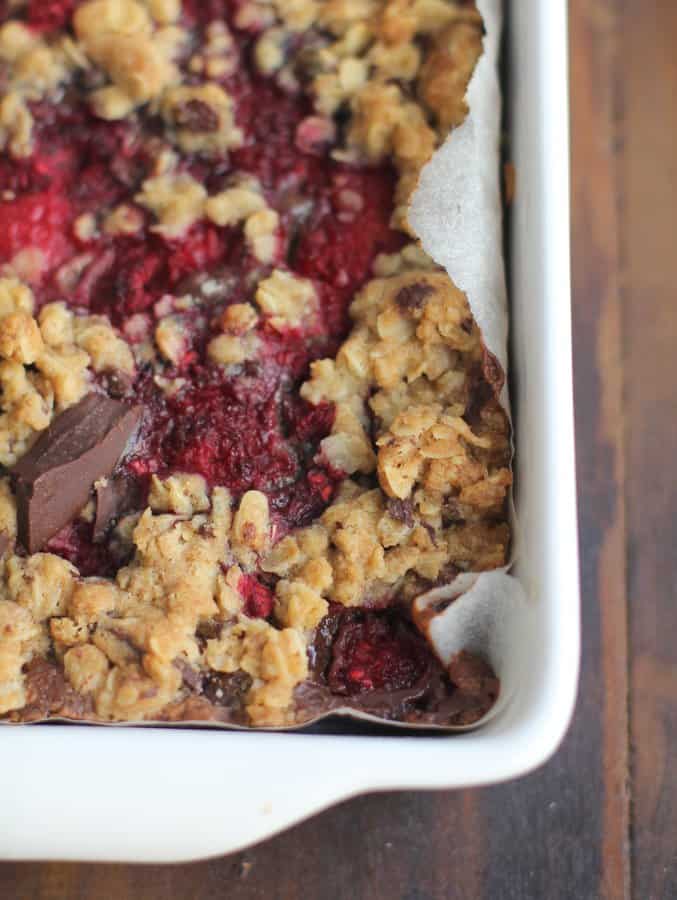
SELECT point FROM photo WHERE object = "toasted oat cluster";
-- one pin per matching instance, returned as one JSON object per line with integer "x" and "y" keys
{"x": 244, "y": 418}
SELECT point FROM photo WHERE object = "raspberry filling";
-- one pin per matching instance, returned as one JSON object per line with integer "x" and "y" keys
{"x": 48, "y": 15}
{"x": 376, "y": 652}
{"x": 244, "y": 430}
{"x": 258, "y": 599}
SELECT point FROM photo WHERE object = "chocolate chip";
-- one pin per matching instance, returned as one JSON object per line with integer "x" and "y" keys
{"x": 208, "y": 630}
{"x": 53, "y": 481}
{"x": 192, "y": 678}
{"x": 493, "y": 370}
{"x": 431, "y": 531}
{"x": 402, "y": 510}
{"x": 452, "y": 511}
{"x": 195, "y": 115}
{"x": 91, "y": 78}
{"x": 319, "y": 652}
{"x": 45, "y": 685}
{"x": 115, "y": 496}
{"x": 227, "y": 690}
{"x": 116, "y": 383}
{"x": 413, "y": 296}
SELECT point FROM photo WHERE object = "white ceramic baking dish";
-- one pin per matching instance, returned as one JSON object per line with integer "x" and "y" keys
{"x": 131, "y": 794}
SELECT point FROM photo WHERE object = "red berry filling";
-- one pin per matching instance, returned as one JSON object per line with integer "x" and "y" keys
{"x": 246, "y": 428}
{"x": 376, "y": 652}
{"x": 48, "y": 15}
{"x": 74, "y": 543}
{"x": 258, "y": 600}
{"x": 36, "y": 221}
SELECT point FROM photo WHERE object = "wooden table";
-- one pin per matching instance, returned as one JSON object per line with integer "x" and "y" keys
{"x": 600, "y": 820}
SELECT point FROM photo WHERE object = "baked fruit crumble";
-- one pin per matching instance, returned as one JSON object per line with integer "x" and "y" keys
{"x": 244, "y": 419}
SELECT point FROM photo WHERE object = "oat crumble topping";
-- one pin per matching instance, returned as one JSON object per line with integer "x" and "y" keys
{"x": 203, "y": 216}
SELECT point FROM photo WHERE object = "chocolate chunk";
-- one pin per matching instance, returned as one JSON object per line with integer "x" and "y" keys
{"x": 195, "y": 115}
{"x": 313, "y": 699}
{"x": 485, "y": 384}
{"x": 493, "y": 371}
{"x": 192, "y": 678}
{"x": 320, "y": 651}
{"x": 452, "y": 511}
{"x": 413, "y": 296}
{"x": 53, "y": 481}
{"x": 45, "y": 686}
{"x": 393, "y": 704}
{"x": 208, "y": 630}
{"x": 402, "y": 510}
{"x": 116, "y": 383}
{"x": 48, "y": 693}
{"x": 227, "y": 690}
{"x": 115, "y": 496}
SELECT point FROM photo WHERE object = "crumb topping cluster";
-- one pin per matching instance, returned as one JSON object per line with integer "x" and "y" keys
{"x": 202, "y": 286}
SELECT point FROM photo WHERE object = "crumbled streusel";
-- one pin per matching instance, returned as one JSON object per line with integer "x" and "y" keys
{"x": 222, "y": 245}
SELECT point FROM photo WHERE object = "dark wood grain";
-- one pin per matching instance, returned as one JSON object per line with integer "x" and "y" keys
{"x": 650, "y": 262}
{"x": 562, "y": 832}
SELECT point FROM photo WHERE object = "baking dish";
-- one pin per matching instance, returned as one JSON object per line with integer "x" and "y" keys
{"x": 171, "y": 795}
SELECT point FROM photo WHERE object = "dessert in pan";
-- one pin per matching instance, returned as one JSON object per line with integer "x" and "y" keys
{"x": 244, "y": 419}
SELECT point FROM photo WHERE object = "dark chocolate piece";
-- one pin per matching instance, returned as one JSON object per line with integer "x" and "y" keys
{"x": 192, "y": 678}
{"x": 493, "y": 371}
{"x": 117, "y": 384}
{"x": 115, "y": 496}
{"x": 313, "y": 699}
{"x": 402, "y": 510}
{"x": 320, "y": 651}
{"x": 207, "y": 630}
{"x": 54, "y": 480}
{"x": 227, "y": 690}
{"x": 413, "y": 296}
{"x": 48, "y": 693}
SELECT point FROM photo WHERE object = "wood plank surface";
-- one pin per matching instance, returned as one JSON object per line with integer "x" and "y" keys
{"x": 649, "y": 186}
{"x": 562, "y": 832}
